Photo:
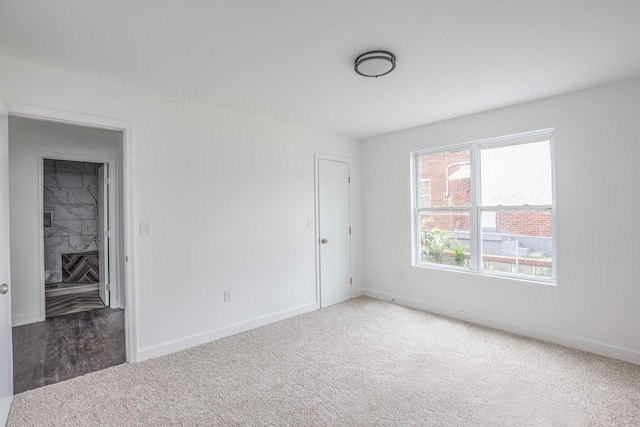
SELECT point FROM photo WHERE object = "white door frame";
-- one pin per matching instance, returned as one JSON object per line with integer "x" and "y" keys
{"x": 114, "y": 243}
{"x": 317, "y": 158}
{"x": 6, "y": 352}
{"x": 127, "y": 200}
{"x": 107, "y": 224}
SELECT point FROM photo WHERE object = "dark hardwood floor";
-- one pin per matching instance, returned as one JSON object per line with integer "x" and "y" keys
{"x": 59, "y": 305}
{"x": 68, "y": 346}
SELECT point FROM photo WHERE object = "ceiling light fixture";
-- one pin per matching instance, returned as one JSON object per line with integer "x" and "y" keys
{"x": 375, "y": 63}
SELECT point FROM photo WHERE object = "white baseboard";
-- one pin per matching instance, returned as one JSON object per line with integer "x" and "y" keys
{"x": 24, "y": 319}
{"x": 597, "y": 347}
{"x": 357, "y": 293}
{"x": 196, "y": 340}
{"x": 531, "y": 331}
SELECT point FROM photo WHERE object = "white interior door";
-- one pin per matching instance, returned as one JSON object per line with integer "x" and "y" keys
{"x": 334, "y": 231}
{"x": 103, "y": 229}
{"x": 6, "y": 346}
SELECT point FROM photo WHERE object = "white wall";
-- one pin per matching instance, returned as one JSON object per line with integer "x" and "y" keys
{"x": 595, "y": 303}
{"x": 228, "y": 196}
{"x": 28, "y": 139}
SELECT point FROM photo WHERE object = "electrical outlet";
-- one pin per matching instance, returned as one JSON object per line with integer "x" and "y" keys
{"x": 227, "y": 296}
{"x": 401, "y": 273}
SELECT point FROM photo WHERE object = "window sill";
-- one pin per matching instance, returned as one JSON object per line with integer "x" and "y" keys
{"x": 498, "y": 275}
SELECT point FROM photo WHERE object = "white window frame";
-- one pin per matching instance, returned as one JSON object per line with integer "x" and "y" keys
{"x": 475, "y": 264}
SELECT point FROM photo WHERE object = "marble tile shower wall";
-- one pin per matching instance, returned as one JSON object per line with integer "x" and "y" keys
{"x": 71, "y": 193}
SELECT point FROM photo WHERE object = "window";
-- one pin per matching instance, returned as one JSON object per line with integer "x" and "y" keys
{"x": 424, "y": 193}
{"x": 490, "y": 207}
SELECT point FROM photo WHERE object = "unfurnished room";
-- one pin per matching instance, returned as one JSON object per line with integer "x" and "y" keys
{"x": 337, "y": 213}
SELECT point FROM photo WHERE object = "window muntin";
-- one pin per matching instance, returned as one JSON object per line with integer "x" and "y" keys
{"x": 492, "y": 207}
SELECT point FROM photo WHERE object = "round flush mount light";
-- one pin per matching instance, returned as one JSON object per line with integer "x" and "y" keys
{"x": 375, "y": 63}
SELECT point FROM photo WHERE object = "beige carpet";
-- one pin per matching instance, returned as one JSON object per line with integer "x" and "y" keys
{"x": 360, "y": 363}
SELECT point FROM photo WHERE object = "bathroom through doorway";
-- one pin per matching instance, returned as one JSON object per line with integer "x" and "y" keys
{"x": 76, "y": 235}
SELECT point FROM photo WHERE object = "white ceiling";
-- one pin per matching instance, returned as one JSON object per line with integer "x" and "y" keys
{"x": 292, "y": 60}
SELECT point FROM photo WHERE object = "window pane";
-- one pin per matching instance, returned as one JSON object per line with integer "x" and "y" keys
{"x": 516, "y": 175}
{"x": 449, "y": 176}
{"x": 444, "y": 238}
{"x": 521, "y": 244}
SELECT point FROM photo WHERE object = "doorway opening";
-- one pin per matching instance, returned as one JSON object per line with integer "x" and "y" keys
{"x": 76, "y": 236}
{"x": 71, "y": 318}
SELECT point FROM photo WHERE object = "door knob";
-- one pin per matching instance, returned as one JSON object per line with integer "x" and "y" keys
{"x": 4, "y": 288}
{"x": 324, "y": 241}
